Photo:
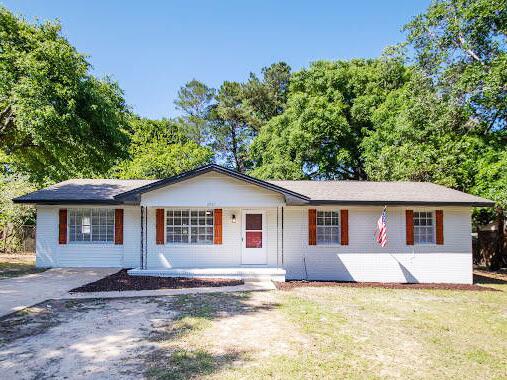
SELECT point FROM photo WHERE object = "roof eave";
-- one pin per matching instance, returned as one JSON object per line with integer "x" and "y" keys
{"x": 401, "y": 203}
{"x": 67, "y": 201}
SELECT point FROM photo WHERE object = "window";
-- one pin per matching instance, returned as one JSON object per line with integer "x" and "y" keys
{"x": 424, "y": 228}
{"x": 91, "y": 225}
{"x": 189, "y": 226}
{"x": 328, "y": 229}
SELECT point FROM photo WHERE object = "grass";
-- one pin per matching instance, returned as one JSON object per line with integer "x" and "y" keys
{"x": 338, "y": 332}
{"x": 17, "y": 266}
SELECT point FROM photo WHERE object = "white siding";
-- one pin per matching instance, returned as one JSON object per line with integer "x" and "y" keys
{"x": 364, "y": 260}
{"x": 227, "y": 254}
{"x": 212, "y": 190}
{"x": 361, "y": 260}
{"x": 51, "y": 254}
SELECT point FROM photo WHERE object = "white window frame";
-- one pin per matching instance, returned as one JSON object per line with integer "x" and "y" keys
{"x": 327, "y": 244}
{"x": 426, "y": 227}
{"x": 90, "y": 209}
{"x": 189, "y": 226}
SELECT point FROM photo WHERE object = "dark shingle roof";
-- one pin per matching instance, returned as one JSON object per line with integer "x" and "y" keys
{"x": 83, "y": 191}
{"x": 381, "y": 192}
{"x": 115, "y": 191}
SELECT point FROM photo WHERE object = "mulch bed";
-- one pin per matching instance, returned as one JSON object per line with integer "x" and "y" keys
{"x": 122, "y": 281}
{"x": 300, "y": 284}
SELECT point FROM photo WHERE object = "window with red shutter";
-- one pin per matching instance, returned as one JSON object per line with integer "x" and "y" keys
{"x": 118, "y": 226}
{"x": 312, "y": 227}
{"x": 159, "y": 226}
{"x": 217, "y": 238}
{"x": 409, "y": 222}
{"x": 344, "y": 228}
{"x": 62, "y": 226}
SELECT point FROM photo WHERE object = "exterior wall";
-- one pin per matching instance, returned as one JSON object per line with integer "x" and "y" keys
{"x": 227, "y": 254}
{"x": 51, "y": 254}
{"x": 361, "y": 260}
{"x": 364, "y": 260}
{"x": 212, "y": 190}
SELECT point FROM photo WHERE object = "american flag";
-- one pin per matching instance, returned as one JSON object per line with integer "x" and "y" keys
{"x": 381, "y": 231}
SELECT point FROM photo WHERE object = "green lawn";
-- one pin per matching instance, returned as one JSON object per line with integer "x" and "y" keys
{"x": 337, "y": 332}
{"x": 17, "y": 266}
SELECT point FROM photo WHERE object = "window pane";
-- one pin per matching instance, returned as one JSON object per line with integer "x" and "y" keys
{"x": 423, "y": 227}
{"x": 253, "y": 221}
{"x": 189, "y": 226}
{"x": 253, "y": 239}
{"x": 328, "y": 229}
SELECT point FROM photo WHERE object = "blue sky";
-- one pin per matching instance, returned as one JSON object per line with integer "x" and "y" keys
{"x": 153, "y": 47}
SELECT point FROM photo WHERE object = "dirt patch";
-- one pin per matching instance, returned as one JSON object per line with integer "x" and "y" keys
{"x": 299, "y": 284}
{"x": 92, "y": 339}
{"x": 213, "y": 335}
{"x": 39, "y": 318}
{"x": 122, "y": 281}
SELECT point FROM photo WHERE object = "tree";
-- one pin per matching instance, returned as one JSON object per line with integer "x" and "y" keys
{"x": 266, "y": 98}
{"x": 194, "y": 100}
{"x": 56, "y": 120}
{"x": 461, "y": 45}
{"x": 417, "y": 136}
{"x": 230, "y": 129}
{"x": 241, "y": 110}
{"x": 159, "y": 149}
{"x": 13, "y": 216}
{"x": 328, "y": 113}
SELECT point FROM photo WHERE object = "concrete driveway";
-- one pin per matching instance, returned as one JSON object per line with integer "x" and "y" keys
{"x": 20, "y": 292}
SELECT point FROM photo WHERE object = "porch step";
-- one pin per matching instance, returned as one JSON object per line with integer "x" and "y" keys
{"x": 244, "y": 273}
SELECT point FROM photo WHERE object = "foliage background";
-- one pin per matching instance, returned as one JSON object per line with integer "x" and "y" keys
{"x": 433, "y": 108}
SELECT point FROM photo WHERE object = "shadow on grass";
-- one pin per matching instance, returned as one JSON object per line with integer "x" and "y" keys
{"x": 481, "y": 279}
{"x": 191, "y": 314}
{"x": 185, "y": 364}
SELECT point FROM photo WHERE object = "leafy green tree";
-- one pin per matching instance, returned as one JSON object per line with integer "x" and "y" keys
{"x": 159, "y": 149}
{"x": 240, "y": 111}
{"x": 329, "y": 112}
{"x": 462, "y": 44}
{"x": 56, "y": 120}
{"x": 194, "y": 100}
{"x": 266, "y": 98}
{"x": 13, "y": 216}
{"x": 418, "y": 137}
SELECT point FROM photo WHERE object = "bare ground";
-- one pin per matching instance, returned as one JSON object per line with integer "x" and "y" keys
{"x": 300, "y": 333}
{"x": 131, "y": 338}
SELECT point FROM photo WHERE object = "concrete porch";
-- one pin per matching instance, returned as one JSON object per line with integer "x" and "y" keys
{"x": 244, "y": 273}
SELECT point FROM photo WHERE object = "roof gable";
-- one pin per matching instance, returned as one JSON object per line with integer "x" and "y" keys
{"x": 291, "y": 196}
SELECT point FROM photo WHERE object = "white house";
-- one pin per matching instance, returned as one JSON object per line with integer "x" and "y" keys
{"x": 216, "y": 222}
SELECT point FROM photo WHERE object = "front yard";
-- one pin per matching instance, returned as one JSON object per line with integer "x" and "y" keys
{"x": 17, "y": 265}
{"x": 324, "y": 332}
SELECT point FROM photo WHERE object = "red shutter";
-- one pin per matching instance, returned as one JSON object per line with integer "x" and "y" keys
{"x": 118, "y": 226}
{"x": 409, "y": 217}
{"x": 439, "y": 221}
{"x": 217, "y": 224}
{"x": 344, "y": 231}
{"x": 159, "y": 228}
{"x": 62, "y": 226}
{"x": 312, "y": 226}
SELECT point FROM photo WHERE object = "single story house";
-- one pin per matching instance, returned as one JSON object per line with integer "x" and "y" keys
{"x": 216, "y": 222}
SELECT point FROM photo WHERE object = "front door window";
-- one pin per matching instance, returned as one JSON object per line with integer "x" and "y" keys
{"x": 253, "y": 230}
